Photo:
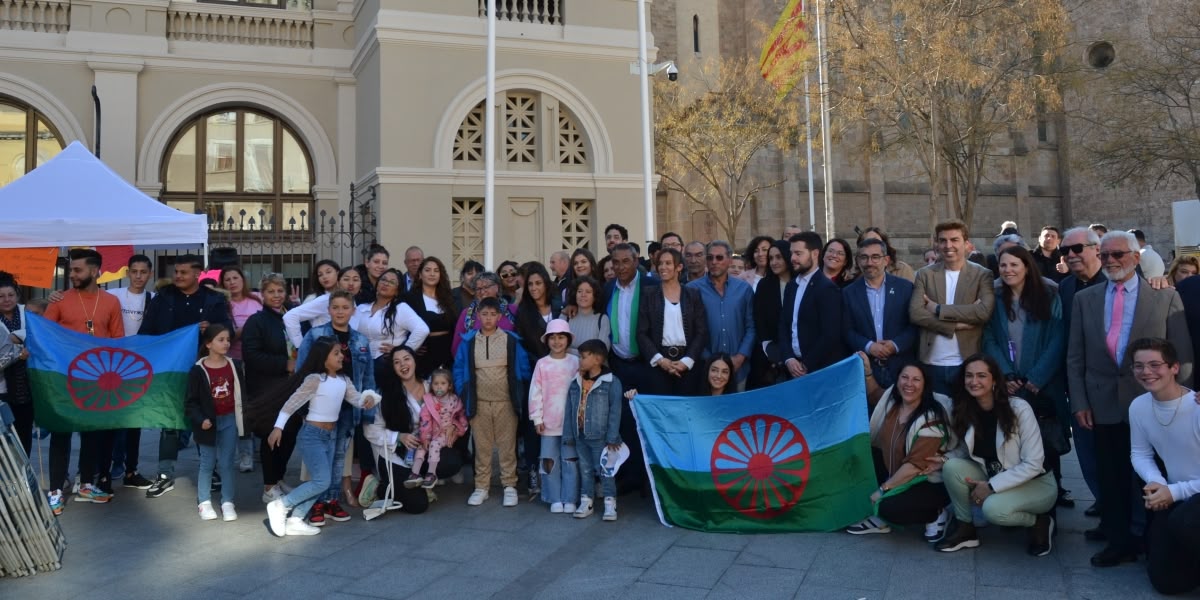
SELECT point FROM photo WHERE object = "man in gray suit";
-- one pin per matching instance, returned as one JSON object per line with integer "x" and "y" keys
{"x": 1104, "y": 321}
{"x": 951, "y": 302}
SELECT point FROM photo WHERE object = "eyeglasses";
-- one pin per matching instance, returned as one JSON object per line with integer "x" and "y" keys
{"x": 870, "y": 258}
{"x": 1150, "y": 366}
{"x": 716, "y": 258}
{"x": 1075, "y": 248}
{"x": 507, "y": 275}
{"x": 1115, "y": 254}
{"x": 389, "y": 281}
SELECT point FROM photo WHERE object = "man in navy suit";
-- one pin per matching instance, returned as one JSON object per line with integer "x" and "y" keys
{"x": 809, "y": 338}
{"x": 875, "y": 314}
{"x": 1189, "y": 292}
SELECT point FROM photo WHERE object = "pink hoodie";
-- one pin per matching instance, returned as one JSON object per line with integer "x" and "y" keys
{"x": 548, "y": 391}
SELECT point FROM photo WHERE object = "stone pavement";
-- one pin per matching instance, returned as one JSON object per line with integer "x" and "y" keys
{"x": 142, "y": 548}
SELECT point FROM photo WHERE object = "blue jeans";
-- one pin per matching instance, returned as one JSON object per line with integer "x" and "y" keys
{"x": 345, "y": 426}
{"x": 945, "y": 379}
{"x": 560, "y": 482}
{"x": 589, "y": 463}
{"x": 316, "y": 447}
{"x": 221, "y": 454}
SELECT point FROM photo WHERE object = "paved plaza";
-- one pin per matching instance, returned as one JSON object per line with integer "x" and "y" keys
{"x": 142, "y": 548}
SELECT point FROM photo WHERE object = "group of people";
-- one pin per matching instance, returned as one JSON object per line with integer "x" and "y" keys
{"x": 981, "y": 372}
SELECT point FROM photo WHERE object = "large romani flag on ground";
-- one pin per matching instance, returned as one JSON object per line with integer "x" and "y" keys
{"x": 85, "y": 383}
{"x": 792, "y": 457}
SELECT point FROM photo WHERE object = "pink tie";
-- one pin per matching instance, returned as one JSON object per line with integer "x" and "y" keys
{"x": 1114, "y": 328}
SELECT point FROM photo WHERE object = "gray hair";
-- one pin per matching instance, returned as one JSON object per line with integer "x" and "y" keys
{"x": 563, "y": 254}
{"x": 272, "y": 279}
{"x": 488, "y": 276}
{"x": 1088, "y": 232}
{"x": 1005, "y": 239}
{"x": 1130, "y": 239}
{"x": 721, "y": 244}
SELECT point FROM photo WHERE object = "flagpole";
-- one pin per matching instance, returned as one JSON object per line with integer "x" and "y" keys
{"x": 812, "y": 194}
{"x": 489, "y": 144}
{"x": 826, "y": 138}
{"x": 647, "y": 158}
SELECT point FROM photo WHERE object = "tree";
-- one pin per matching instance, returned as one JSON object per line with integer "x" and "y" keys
{"x": 708, "y": 131}
{"x": 943, "y": 80}
{"x": 1142, "y": 124}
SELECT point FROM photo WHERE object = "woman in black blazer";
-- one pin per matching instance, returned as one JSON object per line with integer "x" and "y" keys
{"x": 672, "y": 330}
{"x": 768, "y": 305}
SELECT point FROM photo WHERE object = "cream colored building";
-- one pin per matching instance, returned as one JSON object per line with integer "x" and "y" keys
{"x": 278, "y": 110}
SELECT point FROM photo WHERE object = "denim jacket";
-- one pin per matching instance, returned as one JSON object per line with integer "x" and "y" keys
{"x": 360, "y": 357}
{"x": 602, "y": 416}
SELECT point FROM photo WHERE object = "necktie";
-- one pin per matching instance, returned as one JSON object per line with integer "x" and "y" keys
{"x": 1115, "y": 323}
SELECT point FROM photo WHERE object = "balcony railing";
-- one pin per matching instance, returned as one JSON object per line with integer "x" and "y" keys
{"x": 45, "y": 16}
{"x": 238, "y": 25}
{"x": 545, "y": 12}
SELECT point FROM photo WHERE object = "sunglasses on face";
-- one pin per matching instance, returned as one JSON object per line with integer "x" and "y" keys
{"x": 1115, "y": 254}
{"x": 1075, "y": 248}
{"x": 507, "y": 275}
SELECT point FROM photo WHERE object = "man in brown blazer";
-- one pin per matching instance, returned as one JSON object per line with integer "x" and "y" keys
{"x": 952, "y": 301}
{"x": 1104, "y": 321}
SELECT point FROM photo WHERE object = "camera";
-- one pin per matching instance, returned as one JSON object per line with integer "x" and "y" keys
{"x": 672, "y": 72}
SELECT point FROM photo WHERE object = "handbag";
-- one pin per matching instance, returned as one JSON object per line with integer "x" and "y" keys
{"x": 1053, "y": 437}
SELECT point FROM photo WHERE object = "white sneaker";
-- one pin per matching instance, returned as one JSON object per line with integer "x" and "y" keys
{"x": 610, "y": 508}
{"x": 556, "y": 507}
{"x": 206, "y": 511}
{"x": 510, "y": 496}
{"x": 477, "y": 497}
{"x": 75, "y": 486}
{"x": 277, "y": 517}
{"x": 228, "y": 512}
{"x": 585, "y": 508}
{"x": 869, "y": 525}
{"x": 246, "y": 463}
{"x": 568, "y": 508}
{"x": 936, "y": 530}
{"x": 297, "y": 526}
{"x": 272, "y": 494}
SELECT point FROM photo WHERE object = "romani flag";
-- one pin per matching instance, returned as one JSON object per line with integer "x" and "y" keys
{"x": 85, "y": 383}
{"x": 792, "y": 457}
{"x": 784, "y": 53}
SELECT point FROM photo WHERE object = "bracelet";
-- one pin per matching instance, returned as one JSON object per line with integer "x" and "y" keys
{"x": 869, "y": 375}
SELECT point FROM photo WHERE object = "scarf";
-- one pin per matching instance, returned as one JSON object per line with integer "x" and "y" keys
{"x": 614, "y": 314}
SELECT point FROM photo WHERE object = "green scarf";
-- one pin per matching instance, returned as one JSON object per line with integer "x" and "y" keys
{"x": 614, "y": 314}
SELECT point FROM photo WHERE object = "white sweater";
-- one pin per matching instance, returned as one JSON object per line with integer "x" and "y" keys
{"x": 1177, "y": 443}
{"x": 407, "y": 328}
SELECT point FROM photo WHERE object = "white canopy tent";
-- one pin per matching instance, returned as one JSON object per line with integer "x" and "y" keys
{"x": 76, "y": 200}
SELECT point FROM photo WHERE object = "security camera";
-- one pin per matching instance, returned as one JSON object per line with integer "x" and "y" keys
{"x": 672, "y": 72}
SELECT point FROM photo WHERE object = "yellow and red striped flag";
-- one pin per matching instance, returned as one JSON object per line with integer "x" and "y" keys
{"x": 785, "y": 51}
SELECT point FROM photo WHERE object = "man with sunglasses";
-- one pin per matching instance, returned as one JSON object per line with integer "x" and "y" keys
{"x": 1104, "y": 320}
{"x": 729, "y": 308}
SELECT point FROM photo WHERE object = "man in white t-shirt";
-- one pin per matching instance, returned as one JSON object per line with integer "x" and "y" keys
{"x": 1166, "y": 421}
{"x": 134, "y": 300}
{"x": 952, "y": 301}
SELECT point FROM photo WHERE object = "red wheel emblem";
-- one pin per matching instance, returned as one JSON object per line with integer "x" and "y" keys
{"x": 108, "y": 378}
{"x": 760, "y": 465}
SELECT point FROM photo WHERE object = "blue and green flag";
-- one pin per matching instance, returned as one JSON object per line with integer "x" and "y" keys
{"x": 792, "y": 457}
{"x": 85, "y": 383}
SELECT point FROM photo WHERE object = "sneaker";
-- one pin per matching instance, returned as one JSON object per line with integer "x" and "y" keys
{"x": 568, "y": 508}
{"x": 557, "y": 508}
{"x": 610, "y": 509}
{"x": 413, "y": 481}
{"x": 585, "y": 508}
{"x": 105, "y": 485}
{"x": 367, "y": 490}
{"x": 136, "y": 481}
{"x": 246, "y": 463}
{"x": 272, "y": 494}
{"x": 535, "y": 483}
{"x": 962, "y": 536}
{"x": 90, "y": 493}
{"x": 284, "y": 487}
{"x": 206, "y": 511}
{"x": 297, "y": 526}
{"x": 216, "y": 482}
{"x": 55, "y": 497}
{"x": 277, "y": 517}
{"x": 510, "y": 496}
{"x": 869, "y": 525}
{"x": 75, "y": 486}
{"x": 936, "y": 530}
{"x": 477, "y": 497}
{"x": 458, "y": 478}
{"x": 160, "y": 486}
{"x": 334, "y": 511}
{"x": 228, "y": 512}
{"x": 1041, "y": 536}
{"x": 429, "y": 481}
{"x": 316, "y": 516}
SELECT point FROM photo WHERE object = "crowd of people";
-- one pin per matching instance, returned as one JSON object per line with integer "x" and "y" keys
{"x": 981, "y": 372}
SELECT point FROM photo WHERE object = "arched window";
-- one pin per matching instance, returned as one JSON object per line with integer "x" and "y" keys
{"x": 27, "y": 139}
{"x": 254, "y": 174}
{"x": 696, "y": 34}
{"x": 538, "y": 133}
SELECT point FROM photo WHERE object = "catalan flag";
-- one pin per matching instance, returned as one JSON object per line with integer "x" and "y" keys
{"x": 785, "y": 51}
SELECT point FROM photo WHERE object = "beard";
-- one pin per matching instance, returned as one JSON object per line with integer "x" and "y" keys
{"x": 85, "y": 283}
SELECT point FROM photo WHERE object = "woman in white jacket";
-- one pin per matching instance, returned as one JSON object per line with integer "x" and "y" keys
{"x": 998, "y": 464}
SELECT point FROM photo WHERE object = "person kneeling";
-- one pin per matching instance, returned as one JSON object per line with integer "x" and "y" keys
{"x": 998, "y": 464}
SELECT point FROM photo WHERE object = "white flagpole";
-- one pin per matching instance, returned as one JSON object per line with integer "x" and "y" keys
{"x": 826, "y": 138}
{"x": 647, "y": 157}
{"x": 812, "y": 193}
{"x": 489, "y": 144}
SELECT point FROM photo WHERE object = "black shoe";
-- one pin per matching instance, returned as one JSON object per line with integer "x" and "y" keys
{"x": 962, "y": 536}
{"x": 105, "y": 485}
{"x": 136, "y": 481}
{"x": 160, "y": 486}
{"x": 1093, "y": 510}
{"x": 1095, "y": 535}
{"x": 1041, "y": 536}
{"x": 216, "y": 482}
{"x": 1065, "y": 500}
{"x": 1113, "y": 556}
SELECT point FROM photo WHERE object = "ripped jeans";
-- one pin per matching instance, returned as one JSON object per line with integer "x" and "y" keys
{"x": 559, "y": 468}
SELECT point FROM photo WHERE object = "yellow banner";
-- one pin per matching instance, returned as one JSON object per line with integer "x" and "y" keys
{"x": 784, "y": 53}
